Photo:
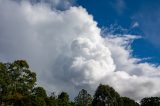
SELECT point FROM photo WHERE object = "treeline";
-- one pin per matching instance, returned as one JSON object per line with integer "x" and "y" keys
{"x": 17, "y": 88}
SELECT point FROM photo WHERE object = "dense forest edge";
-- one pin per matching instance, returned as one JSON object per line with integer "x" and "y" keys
{"x": 18, "y": 88}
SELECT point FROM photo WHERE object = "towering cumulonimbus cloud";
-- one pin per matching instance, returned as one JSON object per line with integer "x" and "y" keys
{"x": 66, "y": 50}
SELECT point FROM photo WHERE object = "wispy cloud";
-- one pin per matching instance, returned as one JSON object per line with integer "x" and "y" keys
{"x": 118, "y": 5}
{"x": 135, "y": 24}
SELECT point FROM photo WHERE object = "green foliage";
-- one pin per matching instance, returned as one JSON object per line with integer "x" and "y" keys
{"x": 38, "y": 97}
{"x": 106, "y": 95}
{"x": 51, "y": 101}
{"x": 129, "y": 102}
{"x": 83, "y": 98}
{"x": 40, "y": 92}
{"x": 63, "y": 99}
{"x": 4, "y": 81}
{"x": 38, "y": 101}
{"x": 16, "y": 82}
{"x": 72, "y": 104}
{"x": 17, "y": 88}
{"x": 150, "y": 101}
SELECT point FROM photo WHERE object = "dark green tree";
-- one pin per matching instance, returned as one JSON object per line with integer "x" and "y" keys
{"x": 63, "y": 99}
{"x": 16, "y": 82}
{"x": 39, "y": 91}
{"x": 4, "y": 82}
{"x": 52, "y": 100}
{"x": 150, "y": 101}
{"x": 129, "y": 102}
{"x": 38, "y": 96}
{"x": 72, "y": 104}
{"x": 83, "y": 98}
{"x": 106, "y": 96}
{"x": 37, "y": 101}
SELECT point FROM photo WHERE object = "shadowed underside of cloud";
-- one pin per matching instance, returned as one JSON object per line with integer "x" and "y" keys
{"x": 66, "y": 50}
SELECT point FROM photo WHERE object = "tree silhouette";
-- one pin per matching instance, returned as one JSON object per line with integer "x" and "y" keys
{"x": 83, "y": 98}
{"x": 150, "y": 101}
{"x": 106, "y": 96}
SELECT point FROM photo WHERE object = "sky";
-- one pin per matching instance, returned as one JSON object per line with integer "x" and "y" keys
{"x": 139, "y": 17}
{"x": 79, "y": 44}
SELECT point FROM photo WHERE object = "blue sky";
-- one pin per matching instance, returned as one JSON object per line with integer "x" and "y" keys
{"x": 127, "y": 13}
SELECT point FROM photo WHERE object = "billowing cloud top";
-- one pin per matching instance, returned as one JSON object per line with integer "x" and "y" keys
{"x": 66, "y": 50}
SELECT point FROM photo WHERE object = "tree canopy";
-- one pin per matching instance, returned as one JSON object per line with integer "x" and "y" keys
{"x": 106, "y": 95}
{"x": 150, "y": 101}
{"x": 18, "y": 88}
{"x": 129, "y": 102}
{"x": 16, "y": 82}
{"x": 83, "y": 98}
